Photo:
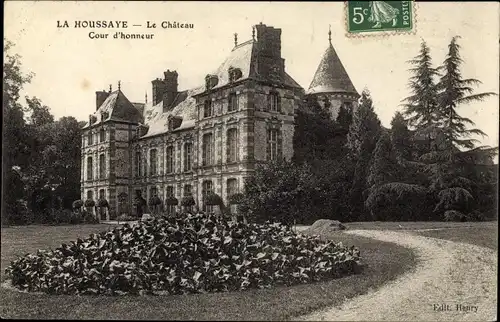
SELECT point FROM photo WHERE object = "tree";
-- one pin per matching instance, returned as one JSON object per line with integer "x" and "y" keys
{"x": 384, "y": 166}
{"x": 314, "y": 132}
{"x": 454, "y": 91}
{"x": 365, "y": 128}
{"x": 363, "y": 134}
{"x": 15, "y": 147}
{"x": 344, "y": 117}
{"x": 401, "y": 137}
{"x": 421, "y": 107}
{"x": 279, "y": 191}
{"x": 454, "y": 150}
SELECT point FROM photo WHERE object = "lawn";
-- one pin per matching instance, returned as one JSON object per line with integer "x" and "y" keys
{"x": 384, "y": 261}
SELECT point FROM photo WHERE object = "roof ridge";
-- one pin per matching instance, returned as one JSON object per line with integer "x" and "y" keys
{"x": 251, "y": 41}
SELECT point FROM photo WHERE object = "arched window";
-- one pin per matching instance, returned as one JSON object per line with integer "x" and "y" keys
{"x": 207, "y": 149}
{"x": 90, "y": 169}
{"x": 232, "y": 145}
{"x": 102, "y": 166}
{"x": 170, "y": 159}
{"x": 102, "y": 135}
{"x": 188, "y": 156}
{"x": 153, "y": 162}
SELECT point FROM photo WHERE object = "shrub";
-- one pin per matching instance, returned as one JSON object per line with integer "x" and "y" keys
{"x": 89, "y": 203}
{"x": 77, "y": 204}
{"x": 102, "y": 202}
{"x": 89, "y": 218}
{"x": 188, "y": 201}
{"x": 126, "y": 217}
{"x": 154, "y": 201}
{"x": 454, "y": 215}
{"x": 236, "y": 199}
{"x": 187, "y": 254}
{"x": 213, "y": 199}
{"x": 18, "y": 213}
{"x": 172, "y": 201}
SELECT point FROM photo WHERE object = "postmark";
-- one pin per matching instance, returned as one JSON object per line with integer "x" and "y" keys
{"x": 374, "y": 18}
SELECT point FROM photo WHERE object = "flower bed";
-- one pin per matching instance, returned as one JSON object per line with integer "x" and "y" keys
{"x": 186, "y": 254}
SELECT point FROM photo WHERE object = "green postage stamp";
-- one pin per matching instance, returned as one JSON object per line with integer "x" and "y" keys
{"x": 380, "y": 16}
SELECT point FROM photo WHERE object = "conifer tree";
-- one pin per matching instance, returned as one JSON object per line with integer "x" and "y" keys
{"x": 344, "y": 117}
{"x": 400, "y": 137}
{"x": 365, "y": 129}
{"x": 454, "y": 91}
{"x": 363, "y": 134}
{"x": 421, "y": 107}
{"x": 454, "y": 150}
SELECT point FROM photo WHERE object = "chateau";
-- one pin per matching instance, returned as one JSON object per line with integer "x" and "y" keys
{"x": 204, "y": 139}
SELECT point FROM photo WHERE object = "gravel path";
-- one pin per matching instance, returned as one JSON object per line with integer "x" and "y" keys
{"x": 452, "y": 282}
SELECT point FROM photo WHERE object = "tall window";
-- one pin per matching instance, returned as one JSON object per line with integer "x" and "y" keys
{"x": 137, "y": 164}
{"x": 102, "y": 135}
{"x": 232, "y": 187}
{"x": 102, "y": 166}
{"x": 272, "y": 144}
{"x": 170, "y": 193}
{"x": 233, "y": 102}
{"x": 152, "y": 162}
{"x": 207, "y": 108}
{"x": 90, "y": 169}
{"x": 207, "y": 188}
{"x": 170, "y": 159}
{"x": 207, "y": 147}
{"x": 273, "y": 102}
{"x": 101, "y": 194}
{"x": 188, "y": 190}
{"x": 232, "y": 145}
{"x": 188, "y": 156}
{"x": 90, "y": 194}
{"x": 90, "y": 138}
{"x": 153, "y": 192}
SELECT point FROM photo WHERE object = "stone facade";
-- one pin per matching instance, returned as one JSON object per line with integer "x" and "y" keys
{"x": 188, "y": 142}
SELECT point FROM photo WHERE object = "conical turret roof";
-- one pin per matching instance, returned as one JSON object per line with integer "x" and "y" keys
{"x": 331, "y": 76}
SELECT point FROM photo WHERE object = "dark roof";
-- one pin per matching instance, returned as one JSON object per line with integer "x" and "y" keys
{"x": 331, "y": 76}
{"x": 118, "y": 108}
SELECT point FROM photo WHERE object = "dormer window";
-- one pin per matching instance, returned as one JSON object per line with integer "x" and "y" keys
{"x": 234, "y": 74}
{"x": 174, "y": 122}
{"x": 104, "y": 116}
{"x": 92, "y": 119}
{"x": 207, "y": 108}
{"x": 211, "y": 81}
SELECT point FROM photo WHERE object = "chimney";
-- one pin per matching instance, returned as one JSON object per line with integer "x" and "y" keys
{"x": 170, "y": 88}
{"x": 158, "y": 90}
{"x": 100, "y": 97}
{"x": 269, "y": 50}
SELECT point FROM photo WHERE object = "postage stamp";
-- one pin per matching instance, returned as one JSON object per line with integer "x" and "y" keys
{"x": 377, "y": 17}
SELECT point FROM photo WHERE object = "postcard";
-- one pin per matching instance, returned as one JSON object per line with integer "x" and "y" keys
{"x": 176, "y": 160}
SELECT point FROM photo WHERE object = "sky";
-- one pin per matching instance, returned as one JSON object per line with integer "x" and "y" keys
{"x": 69, "y": 66}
